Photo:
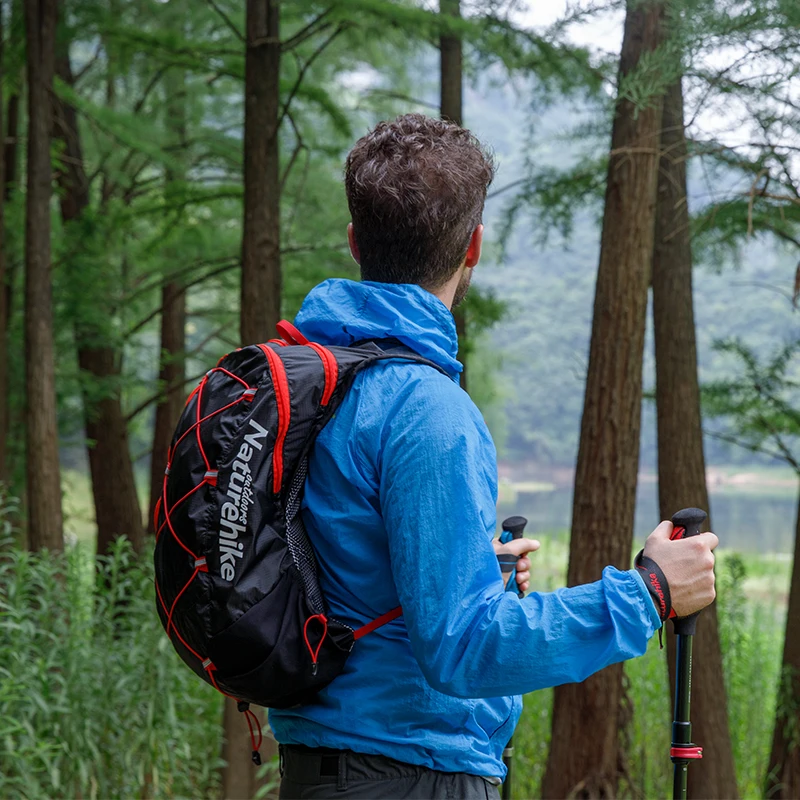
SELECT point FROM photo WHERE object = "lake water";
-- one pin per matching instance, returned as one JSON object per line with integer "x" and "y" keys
{"x": 744, "y": 522}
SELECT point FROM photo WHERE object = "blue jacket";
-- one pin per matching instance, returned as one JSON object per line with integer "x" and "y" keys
{"x": 400, "y": 506}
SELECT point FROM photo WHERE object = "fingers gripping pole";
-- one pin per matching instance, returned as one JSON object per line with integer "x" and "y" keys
{"x": 513, "y": 528}
{"x": 687, "y": 523}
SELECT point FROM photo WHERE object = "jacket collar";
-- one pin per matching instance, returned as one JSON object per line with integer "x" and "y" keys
{"x": 341, "y": 312}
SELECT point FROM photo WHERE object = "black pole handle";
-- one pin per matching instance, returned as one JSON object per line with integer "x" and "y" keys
{"x": 515, "y": 526}
{"x": 687, "y": 522}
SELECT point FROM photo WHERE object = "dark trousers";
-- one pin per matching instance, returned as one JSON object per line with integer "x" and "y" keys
{"x": 314, "y": 773}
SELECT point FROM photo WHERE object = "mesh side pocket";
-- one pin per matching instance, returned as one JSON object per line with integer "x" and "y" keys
{"x": 299, "y": 545}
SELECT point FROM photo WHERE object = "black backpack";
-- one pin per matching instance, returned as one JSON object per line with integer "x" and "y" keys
{"x": 235, "y": 573}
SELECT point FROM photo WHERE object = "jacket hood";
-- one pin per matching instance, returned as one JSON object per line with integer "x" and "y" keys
{"x": 341, "y": 312}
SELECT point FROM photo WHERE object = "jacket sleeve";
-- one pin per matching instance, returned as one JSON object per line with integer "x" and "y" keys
{"x": 438, "y": 486}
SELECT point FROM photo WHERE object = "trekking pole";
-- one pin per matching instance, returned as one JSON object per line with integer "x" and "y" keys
{"x": 512, "y": 529}
{"x": 687, "y": 523}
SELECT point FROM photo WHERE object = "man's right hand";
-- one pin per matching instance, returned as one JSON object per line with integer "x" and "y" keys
{"x": 688, "y": 565}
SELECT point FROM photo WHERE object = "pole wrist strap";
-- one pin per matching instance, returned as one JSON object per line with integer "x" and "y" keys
{"x": 656, "y": 583}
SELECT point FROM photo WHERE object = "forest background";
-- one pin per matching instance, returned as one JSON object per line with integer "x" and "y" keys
{"x": 172, "y": 186}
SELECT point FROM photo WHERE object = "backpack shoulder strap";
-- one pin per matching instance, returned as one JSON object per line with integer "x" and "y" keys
{"x": 394, "y": 348}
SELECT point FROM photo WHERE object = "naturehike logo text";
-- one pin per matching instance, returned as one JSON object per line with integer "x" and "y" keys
{"x": 656, "y": 584}
{"x": 233, "y": 514}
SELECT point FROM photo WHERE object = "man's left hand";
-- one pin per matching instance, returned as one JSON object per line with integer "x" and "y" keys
{"x": 519, "y": 547}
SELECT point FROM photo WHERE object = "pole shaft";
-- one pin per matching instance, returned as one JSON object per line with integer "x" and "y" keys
{"x": 508, "y": 760}
{"x": 681, "y": 726}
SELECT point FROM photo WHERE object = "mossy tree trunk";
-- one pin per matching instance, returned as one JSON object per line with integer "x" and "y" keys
{"x": 585, "y": 755}
{"x": 43, "y": 473}
{"x": 681, "y": 463}
{"x": 451, "y": 107}
{"x": 783, "y": 773}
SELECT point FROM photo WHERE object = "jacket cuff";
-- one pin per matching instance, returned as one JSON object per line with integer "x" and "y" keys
{"x": 649, "y": 605}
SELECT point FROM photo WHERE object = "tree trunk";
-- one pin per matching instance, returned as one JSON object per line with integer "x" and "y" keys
{"x": 3, "y": 297}
{"x": 585, "y": 757}
{"x": 116, "y": 503}
{"x": 45, "y": 523}
{"x": 261, "y": 264}
{"x": 451, "y": 107}
{"x": 681, "y": 464}
{"x": 261, "y": 279}
{"x": 170, "y": 377}
{"x": 783, "y": 774}
{"x": 172, "y": 370}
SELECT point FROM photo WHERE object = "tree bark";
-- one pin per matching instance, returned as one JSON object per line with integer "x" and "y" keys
{"x": 261, "y": 277}
{"x": 783, "y": 773}
{"x": 11, "y": 147}
{"x": 43, "y": 474}
{"x": 585, "y": 756}
{"x": 261, "y": 264}
{"x": 116, "y": 503}
{"x": 451, "y": 107}
{"x": 171, "y": 377}
{"x": 681, "y": 463}
{"x": 172, "y": 370}
{"x": 3, "y": 297}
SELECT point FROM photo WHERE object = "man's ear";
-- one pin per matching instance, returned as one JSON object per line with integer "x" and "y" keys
{"x": 354, "y": 251}
{"x": 474, "y": 250}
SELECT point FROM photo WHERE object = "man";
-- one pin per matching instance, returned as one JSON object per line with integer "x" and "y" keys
{"x": 400, "y": 506}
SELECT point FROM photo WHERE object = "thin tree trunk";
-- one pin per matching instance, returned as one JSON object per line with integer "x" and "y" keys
{"x": 451, "y": 107}
{"x": 3, "y": 297}
{"x": 261, "y": 264}
{"x": 170, "y": 376}
{"x": 173, "y": 317}
{"x": 681, "y": 464}
{"x": 11, "y": 147}
{"x": 45, "y": 523}
{"x": 585, "y": 755}
{"x": 116, "y": 502}
{"x": 9, "y": 185}
{"x": 783, "y": 773}
{"x": 261, "y": 277}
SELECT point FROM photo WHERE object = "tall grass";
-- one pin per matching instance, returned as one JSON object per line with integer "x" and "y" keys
{"x": 93, "y": 701}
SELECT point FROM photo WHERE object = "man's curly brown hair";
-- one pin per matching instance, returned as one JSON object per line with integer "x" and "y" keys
{"x": 416, "y": 187}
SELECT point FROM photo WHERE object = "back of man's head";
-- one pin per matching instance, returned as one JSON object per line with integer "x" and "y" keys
{"x": 416, "y": 188}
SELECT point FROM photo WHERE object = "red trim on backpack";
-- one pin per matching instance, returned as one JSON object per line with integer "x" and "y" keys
{"x": 289, "y": 333}
{"x": 155, "y": 516}
{"x": 331, "y": 366}
{"x": 278, "y": 342}
{"x": 315, "y": 651}
{"x": 281, "y": 384}
{"x": 378, "y": 622}
{"x": 251, "y": 718}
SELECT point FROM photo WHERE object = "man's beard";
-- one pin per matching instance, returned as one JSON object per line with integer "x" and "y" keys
{"x": 462, "y": 288}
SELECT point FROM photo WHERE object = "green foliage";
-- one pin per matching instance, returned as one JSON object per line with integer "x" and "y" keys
{"x": 93, "y": 700}
{"x": 760, "y": 403}
{"x": 750, "y": 640}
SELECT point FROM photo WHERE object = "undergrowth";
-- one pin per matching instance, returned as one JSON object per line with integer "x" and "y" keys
{"x": 94, "y": 703}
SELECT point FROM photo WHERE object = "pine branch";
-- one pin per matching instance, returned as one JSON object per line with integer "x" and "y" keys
{"x": 310, "y": 30}
{"x": 304, "y": 69}
{"x": 228, "y": 21}
{"x": 89, "y": 64}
